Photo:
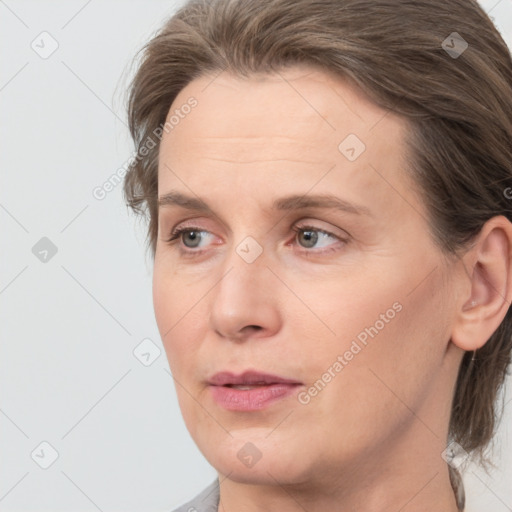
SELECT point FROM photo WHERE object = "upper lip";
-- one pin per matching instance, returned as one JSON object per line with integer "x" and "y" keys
{"x": 248, "y": 378}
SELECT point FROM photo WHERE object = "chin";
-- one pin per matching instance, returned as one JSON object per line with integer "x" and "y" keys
{"x": 263, "y": 473}
{"x": 255, "y": 460}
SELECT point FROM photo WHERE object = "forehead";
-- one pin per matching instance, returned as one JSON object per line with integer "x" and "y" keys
{"x": 286, "y": 129}
{"x": 297, "y": 101}
{"x": 298, "y": 110}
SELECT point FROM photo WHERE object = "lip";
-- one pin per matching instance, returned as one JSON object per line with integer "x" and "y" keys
{"x": 269, "y": 389}
{"x": 249, "y": 377}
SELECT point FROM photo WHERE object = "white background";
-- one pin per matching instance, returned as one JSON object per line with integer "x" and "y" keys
{"x": 69, "y": 325}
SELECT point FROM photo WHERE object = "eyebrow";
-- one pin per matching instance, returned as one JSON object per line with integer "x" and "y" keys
{"x": 288, "y": 203}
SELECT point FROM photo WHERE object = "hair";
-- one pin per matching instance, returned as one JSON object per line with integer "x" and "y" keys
{"x": 458, "y": 109}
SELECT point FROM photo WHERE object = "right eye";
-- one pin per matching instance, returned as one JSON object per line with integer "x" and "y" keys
{"x": 191, "y": 238}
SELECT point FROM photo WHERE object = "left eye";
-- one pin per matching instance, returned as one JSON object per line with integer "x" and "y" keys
{"x": 308, "y": 237}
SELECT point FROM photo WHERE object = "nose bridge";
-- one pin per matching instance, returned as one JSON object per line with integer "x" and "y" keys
{"x": 245, "y": 273}
{"x": 242, "y": 297}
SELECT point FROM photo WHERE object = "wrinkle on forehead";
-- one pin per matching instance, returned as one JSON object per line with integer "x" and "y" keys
{"x": 280, "y": 131}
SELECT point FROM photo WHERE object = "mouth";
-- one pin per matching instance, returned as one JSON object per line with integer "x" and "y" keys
{"x": 245, "y": 388}
{"x": 251, "y": 390}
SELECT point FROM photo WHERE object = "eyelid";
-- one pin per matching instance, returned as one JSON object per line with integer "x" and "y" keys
{"x": 306, "y": 224}
{"x": 334, "y": 247}
{"x": 177, "y": 232}
{"x": 191, "y": 224}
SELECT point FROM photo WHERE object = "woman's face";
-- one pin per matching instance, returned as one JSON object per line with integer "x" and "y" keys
{"x": 305, "y": 259}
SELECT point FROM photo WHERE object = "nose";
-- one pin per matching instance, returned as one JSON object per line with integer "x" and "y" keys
{"x": 244, "y": 302}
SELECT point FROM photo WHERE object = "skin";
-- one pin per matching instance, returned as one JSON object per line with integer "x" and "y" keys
{"x": 372, "y": 439}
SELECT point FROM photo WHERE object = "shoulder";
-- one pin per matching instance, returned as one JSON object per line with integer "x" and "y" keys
{"x": 206, "y": 501}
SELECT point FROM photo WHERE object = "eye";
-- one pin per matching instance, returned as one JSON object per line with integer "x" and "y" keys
{"x": 191, "y": 237}
{"x": 310, "y": 237}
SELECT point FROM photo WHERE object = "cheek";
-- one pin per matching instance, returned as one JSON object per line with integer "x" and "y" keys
{"x": 383, "y": 378}
{"x": 389, "y": 339}
{"x": 163, "y": 298}
{"x": 403, "y": 357}
{"x": 178, "y": 323}
{"x": 176, "y": 317}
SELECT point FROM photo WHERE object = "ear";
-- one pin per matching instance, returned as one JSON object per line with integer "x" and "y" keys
{"x": 485, "y": 302}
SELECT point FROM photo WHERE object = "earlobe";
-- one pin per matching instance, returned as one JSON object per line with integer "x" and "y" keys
{"x": 489, "y": 268}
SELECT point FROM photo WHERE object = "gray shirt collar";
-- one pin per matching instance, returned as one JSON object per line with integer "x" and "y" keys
{"x": 206, "y": 501}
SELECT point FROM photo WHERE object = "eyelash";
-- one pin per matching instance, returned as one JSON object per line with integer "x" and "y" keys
{"x": 176, "y": 234}
{"x": 298, "y": 229}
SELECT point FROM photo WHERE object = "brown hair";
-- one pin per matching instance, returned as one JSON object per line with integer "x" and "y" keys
{"x": 458, "y": 107}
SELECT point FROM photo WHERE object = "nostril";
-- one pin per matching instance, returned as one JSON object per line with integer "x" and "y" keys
{"x": 242, "y": 334}
{"x": 249, "y": 330}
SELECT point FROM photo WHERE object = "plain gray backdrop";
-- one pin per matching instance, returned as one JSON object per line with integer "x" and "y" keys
{"x": 88, "y": 415}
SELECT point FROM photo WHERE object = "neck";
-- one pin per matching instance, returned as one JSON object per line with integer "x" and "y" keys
{"x": 430, "y": 491}
{"x": 410, "y": 480}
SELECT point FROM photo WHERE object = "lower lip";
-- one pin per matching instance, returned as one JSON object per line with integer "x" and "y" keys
{"x": 253, "y": 399}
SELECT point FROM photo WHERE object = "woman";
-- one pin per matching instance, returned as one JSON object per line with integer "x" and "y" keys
{"x": 328, "y": 190}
